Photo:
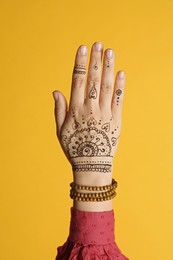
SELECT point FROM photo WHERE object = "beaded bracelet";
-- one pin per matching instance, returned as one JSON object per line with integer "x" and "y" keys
{"x": 95, "y": 188}
{"x": 92, "y": 197}
{"x": 105, "y": 192}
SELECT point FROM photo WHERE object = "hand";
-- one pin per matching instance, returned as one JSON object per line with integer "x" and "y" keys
{"x": 89, "y": 129}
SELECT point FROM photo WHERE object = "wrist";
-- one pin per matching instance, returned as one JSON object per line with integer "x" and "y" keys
{"x": 92, "y": 178}
{"x": 92, "y": 164}
{"x": 92, "y": 172}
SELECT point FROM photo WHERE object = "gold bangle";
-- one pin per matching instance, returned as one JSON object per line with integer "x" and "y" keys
{"x": 94, "y": 188}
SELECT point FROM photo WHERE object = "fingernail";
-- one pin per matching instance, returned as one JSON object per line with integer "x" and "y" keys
{"x": 121, "y": 74}
{"x": 83, "y": 50}
{"x": 109, "y": 53}
{"x": 98, "y": 46}
{"x": 55, "y": 95}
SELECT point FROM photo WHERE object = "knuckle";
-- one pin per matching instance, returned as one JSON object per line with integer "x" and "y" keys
{"x": 59, "y": 112}
{"x": 114, "y": 102}
{"x": 78, "y": 81}
{"x": 106, "y": 88}
{"x": 93, "y": 80}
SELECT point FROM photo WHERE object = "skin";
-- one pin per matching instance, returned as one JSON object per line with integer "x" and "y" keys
{"x": 96, "y": 95}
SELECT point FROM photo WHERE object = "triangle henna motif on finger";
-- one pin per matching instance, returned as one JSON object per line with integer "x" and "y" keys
{"x": 93, "y": 93}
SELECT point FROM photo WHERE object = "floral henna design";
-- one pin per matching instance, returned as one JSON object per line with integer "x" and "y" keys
{"x": 90, "y": 140}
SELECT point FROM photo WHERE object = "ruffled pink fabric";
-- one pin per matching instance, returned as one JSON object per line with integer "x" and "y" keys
{"x": 91, "y": 237}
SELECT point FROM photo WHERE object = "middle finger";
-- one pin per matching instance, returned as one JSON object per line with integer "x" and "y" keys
{"x": 94, "y": 73}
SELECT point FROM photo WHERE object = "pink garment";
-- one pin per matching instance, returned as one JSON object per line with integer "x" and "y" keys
{"x": 91, "y": 237}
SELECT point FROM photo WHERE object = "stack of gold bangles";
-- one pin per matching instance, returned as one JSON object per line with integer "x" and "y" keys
{"x": 103, "y": 192}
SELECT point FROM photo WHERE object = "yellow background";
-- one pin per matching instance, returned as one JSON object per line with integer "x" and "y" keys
{"x": 38, "y": 42}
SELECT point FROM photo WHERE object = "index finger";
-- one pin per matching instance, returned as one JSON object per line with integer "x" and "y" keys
{"x": 79, "y": 77}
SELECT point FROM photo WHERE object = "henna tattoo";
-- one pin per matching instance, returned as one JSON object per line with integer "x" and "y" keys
{"x": 114, "y": 141}
{"x": 106, "y": 127}
{"x": 99, "y": 166}
{"x": 118, "y": 92}
{"x": 92, "y": 121}
{"x": 100, "y": 122}
{"x": 79, "y": 69}
{"x": 92, "y": 162}
{"x": 93, "y": 93}
{"x": 76, "y": 125}
{"x": 73, "y": 114}
{"x": 79, "y": 72}
{"x": 108, "y": 65}
{"x": 83, "y": 119}
{"x": 90, "y": 140}
{"x": 64, "y": 138}
{"x": 67, "y": 130}
{"x": 93, "y": 167}
{"x": 114, "y": 130}
{"x": 95, "y": 66}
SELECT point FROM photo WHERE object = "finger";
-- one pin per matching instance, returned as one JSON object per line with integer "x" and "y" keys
{"x": 118, "y": 96}
{"x": 94, "y": 72}
{"x": 79, "y": 77}
{"x": 60, "y": 110}
{"x": 107, "y": 81}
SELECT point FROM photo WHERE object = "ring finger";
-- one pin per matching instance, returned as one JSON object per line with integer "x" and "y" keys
{"x": 107, "y": 81}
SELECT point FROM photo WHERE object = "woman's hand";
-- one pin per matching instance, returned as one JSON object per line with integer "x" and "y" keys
{"x": 89, "y": 129}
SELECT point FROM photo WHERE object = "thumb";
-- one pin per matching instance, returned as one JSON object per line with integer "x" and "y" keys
{"x": 60, "y": 110}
